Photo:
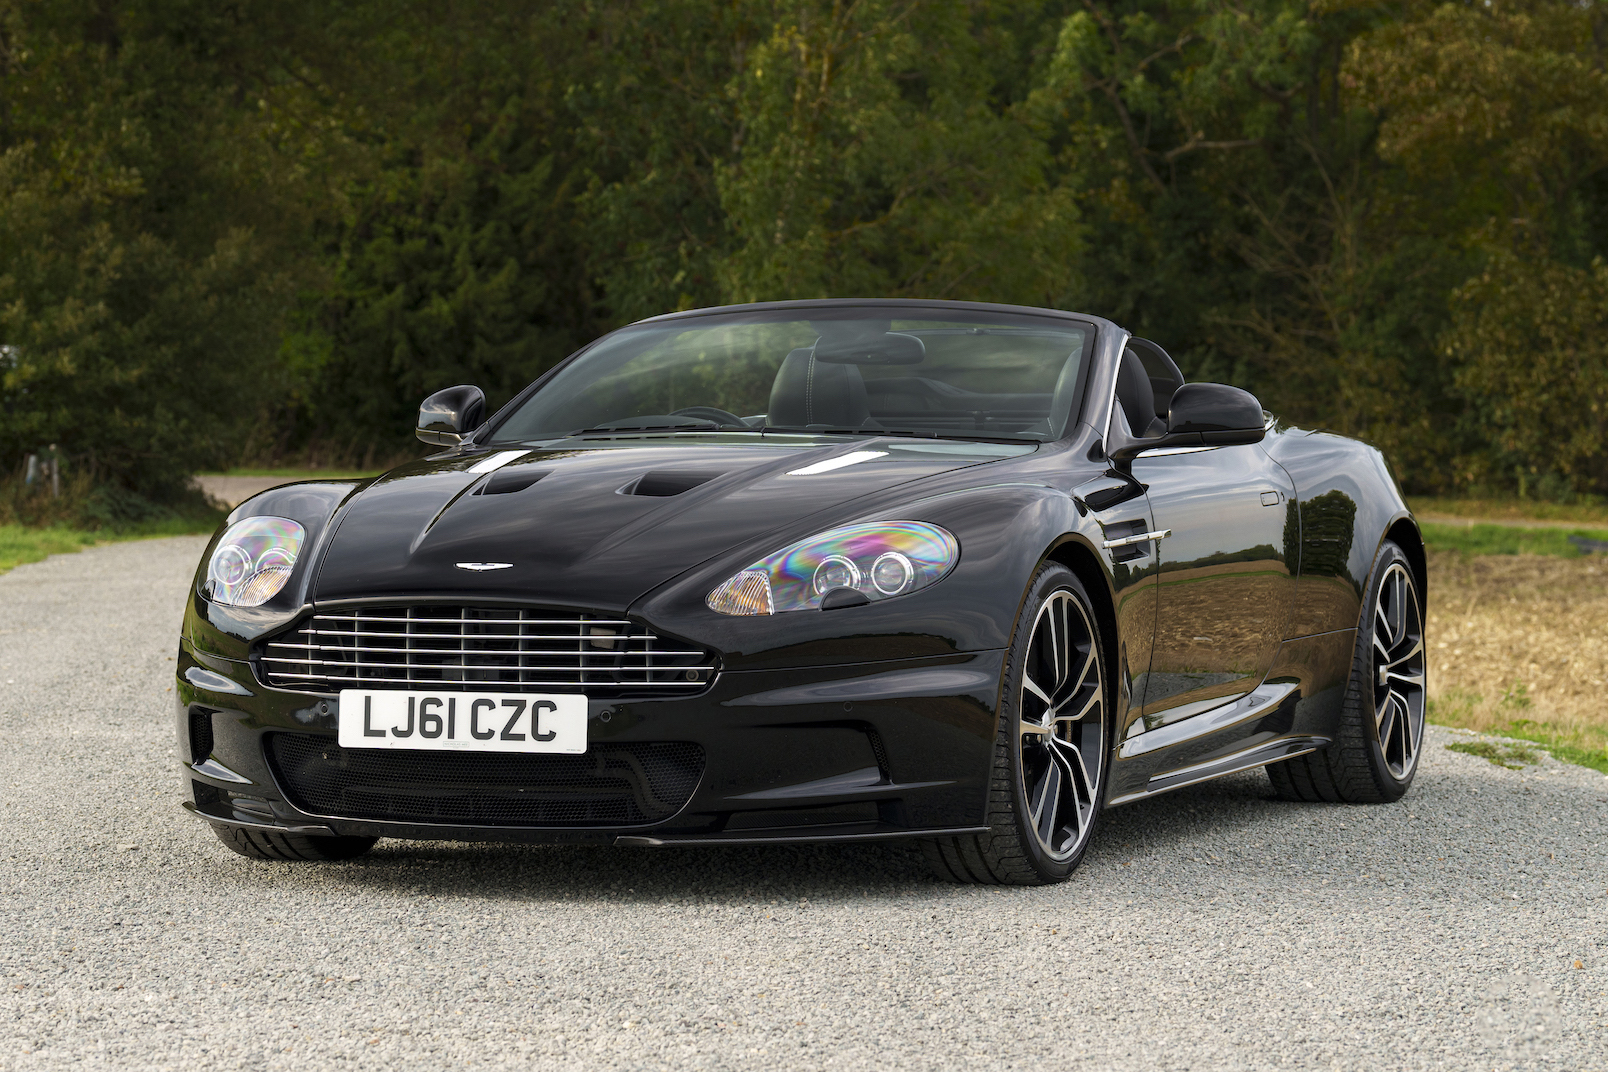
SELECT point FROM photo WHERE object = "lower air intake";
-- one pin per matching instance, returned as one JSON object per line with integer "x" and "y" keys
{"x": 611, "y": 785}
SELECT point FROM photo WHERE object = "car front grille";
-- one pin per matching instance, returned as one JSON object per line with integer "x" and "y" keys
{"x": 625, "y": 784}
{"x": 504, "y": 649}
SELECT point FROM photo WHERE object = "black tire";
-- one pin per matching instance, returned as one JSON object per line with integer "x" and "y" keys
{"x": 1375, "y": 752}
{"x": 1036, "y": 835}
{"x": 270, "y": 845}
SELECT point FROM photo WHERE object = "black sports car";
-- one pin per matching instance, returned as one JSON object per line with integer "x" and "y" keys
{"x": 844, "y": 570}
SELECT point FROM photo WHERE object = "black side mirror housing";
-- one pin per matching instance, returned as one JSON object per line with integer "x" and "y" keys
{"x": 447, "y": 416}
{"x": 1201, "y": 415}
{"x": 1220, "y": 413}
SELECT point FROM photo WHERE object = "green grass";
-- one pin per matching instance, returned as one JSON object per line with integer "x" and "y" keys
{"x": 1505, "y": 540}
{"x": 1585, "y": 513}
{"x": 1511, "y": 756}
{"x": 23, "y": 543}
{"x": 301, "y": 474}
{"x": 1584, "y": 747}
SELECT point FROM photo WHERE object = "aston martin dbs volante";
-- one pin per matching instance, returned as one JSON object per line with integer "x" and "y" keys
{"x": 800, "y": 571}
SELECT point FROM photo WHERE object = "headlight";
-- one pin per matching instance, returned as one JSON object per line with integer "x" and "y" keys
{"x": 253, "y": 561}
{"x": 878, "y": 560}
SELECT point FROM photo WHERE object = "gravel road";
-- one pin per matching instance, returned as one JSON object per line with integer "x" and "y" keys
{"x": 1212, "y": 928}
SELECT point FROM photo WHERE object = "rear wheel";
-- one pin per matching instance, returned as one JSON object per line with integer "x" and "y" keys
{"x": 1375, "y": 753}
{"x": 271, "y": 845}
{"x": 1050, "y": 755}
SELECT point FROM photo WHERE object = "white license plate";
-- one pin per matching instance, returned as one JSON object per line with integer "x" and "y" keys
{"x": 463, "y": 721}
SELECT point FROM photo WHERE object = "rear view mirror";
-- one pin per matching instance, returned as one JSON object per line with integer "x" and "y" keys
{"x": 889, "y": 348}
{"x": 447, "y": 416}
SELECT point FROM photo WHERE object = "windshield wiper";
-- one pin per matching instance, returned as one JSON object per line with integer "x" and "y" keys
{"x": 901, "y": 432}
{"x": 697, "y": 426}
{"x": 819, "y": 430}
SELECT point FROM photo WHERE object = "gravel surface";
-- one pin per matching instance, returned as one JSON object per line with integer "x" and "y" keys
{"x": 1212, "y": 928}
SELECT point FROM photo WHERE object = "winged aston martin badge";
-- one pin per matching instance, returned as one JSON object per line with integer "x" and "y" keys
{"x": 482, "y": 567}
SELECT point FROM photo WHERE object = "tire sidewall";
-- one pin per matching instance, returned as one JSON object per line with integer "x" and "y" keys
{"x": 1050, "y": 579}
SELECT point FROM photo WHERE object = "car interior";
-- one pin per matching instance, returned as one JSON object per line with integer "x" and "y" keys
{"x": 812, "y": 392}
{"x": 1146, "y": 380}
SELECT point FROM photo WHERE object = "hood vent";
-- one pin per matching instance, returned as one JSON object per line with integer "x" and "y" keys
{"x": 508, "y": 481}
{"x": 663, "y": 482}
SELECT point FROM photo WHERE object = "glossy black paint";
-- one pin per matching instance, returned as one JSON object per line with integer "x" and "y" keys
{"x": 446, "y": 416}
{"x": 1213, "y": 407}
{"x": 871, "y": 720}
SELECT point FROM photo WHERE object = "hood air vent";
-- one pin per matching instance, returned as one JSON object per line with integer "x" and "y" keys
{"x": 663, "y": 482}
{"x": 508, "y": 481}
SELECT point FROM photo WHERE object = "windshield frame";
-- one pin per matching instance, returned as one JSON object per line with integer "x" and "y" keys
{"x": 767, "y": 311}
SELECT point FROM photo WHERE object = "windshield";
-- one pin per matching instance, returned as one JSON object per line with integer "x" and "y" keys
{"x": 873, "y": 371}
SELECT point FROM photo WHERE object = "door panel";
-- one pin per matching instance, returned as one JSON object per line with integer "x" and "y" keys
{"x": 1226, "y": 588}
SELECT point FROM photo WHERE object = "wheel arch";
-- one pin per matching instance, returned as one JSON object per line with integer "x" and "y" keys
{"x": 1079, "y": 557}
{"x": 1403, "y": 532}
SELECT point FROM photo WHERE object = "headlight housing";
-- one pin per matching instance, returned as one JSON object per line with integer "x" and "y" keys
{"x": 253, "y": 561}
{"x": 879, "y": 560}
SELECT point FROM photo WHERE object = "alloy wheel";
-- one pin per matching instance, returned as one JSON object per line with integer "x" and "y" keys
{"x": 1061, "y": 719}
{"x": 1398, "y": 671}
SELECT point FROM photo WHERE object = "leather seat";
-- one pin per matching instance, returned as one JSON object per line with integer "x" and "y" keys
{"x": 1137, "y": 398}
{"x": 810, "y": 392}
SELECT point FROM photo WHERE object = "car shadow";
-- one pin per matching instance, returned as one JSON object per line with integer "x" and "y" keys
{"x": 884, "y": 870}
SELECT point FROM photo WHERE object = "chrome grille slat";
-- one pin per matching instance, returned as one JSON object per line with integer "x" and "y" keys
{"x": 435, "y": 646}
{"x": 463, "y": 666}
{"x": 605, "y": 654}
{"x": 460, "y": 621}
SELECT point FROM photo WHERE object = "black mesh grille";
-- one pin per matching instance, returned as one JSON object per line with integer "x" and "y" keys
{"x": 502, "y": 649}
{"x": 200, "y": 735}
{"x": 611, "y": 785}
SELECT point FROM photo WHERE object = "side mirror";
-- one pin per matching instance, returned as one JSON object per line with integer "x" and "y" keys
{"x": 446, "y": 416}
{"x": 1201, "y": 415}
{"x": 1220, "y": 413}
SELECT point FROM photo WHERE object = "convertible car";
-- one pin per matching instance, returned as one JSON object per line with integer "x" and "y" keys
{"x": 798, "y": 571}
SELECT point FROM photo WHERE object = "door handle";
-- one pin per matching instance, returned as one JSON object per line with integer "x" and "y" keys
{"x": 1129, "y": 541}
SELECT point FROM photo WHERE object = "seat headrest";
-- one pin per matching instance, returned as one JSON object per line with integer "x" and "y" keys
{"x": 809, "y": 392}
{"x": 1134, "y": 394}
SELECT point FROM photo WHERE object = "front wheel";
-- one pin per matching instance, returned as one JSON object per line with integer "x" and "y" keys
{"x": 1375, "y": 753}
{"x": 1050, "y": 755}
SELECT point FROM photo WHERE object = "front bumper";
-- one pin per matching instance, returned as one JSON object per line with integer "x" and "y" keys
{"x": 861, "y": 751}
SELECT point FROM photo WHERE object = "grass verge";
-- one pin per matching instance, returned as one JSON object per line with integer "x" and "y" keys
{"x": 1505, "y": 540}
{"x": 301, "y": 474}
{"x": 1518, "y": 648}
{"x": 23, "y": 543}
{"x": 1585, "y": 513}
{"x": 1511, "y": 756}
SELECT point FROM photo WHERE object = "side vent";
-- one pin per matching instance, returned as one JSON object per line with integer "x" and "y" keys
{"x": 200, "y": 734}
{"x": 664, "y": 482}
{"x": 508, "y": 481}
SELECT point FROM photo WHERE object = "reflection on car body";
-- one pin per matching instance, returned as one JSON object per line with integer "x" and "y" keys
{"x": 835, "y": 570}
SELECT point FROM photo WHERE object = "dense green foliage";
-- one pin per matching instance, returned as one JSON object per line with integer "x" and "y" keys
{"x": 235, "y": 231}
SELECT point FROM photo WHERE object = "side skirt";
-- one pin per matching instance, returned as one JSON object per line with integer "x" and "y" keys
{"x": 1258, "y": 756}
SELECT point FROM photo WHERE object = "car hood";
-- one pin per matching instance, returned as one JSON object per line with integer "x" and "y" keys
{"x": 603, "y": 523}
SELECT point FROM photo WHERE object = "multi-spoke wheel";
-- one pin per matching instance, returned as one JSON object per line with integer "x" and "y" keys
{"x": 1381, "y": 730}
{"x": 1051, "y": 753}
{"x": 1398, "y": 671}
